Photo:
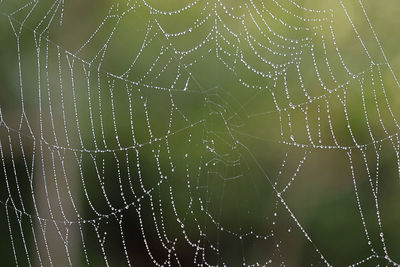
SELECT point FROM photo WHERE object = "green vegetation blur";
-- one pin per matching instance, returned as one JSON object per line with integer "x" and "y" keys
{"x": 229, "y": 133}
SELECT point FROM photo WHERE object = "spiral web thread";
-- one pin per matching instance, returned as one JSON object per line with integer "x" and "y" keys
{"x": 154, "y": 135}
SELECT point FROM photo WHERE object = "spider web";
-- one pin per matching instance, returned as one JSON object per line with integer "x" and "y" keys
{"x": 197, "y": 133}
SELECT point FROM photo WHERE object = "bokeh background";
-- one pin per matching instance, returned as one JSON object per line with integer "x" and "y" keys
{"x": 122, "y": 143}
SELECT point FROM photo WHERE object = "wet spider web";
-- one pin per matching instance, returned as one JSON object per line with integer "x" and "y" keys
{"x": 197, "y": 133}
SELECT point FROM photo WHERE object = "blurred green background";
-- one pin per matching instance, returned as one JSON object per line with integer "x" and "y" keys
{"x": 226, "y": 133}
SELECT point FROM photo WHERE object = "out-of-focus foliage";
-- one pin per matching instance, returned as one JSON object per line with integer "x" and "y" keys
{"x": 227, "y": 142}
